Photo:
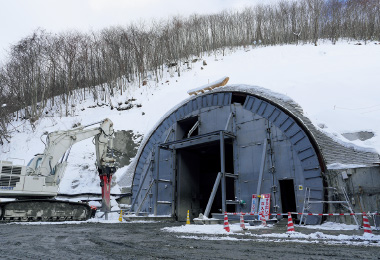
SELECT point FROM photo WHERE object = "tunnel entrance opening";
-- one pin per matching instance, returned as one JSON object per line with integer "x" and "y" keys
{"x": 197, "y": 170}
{"x": 288, "y": 198}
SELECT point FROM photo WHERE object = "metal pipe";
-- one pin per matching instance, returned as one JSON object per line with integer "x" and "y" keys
{"x": 195, "y": 126}
{"x": 93, "y": 124}
{"x": 223, "y": 170}
{"x": 213, "y": 193}
{"x": 174, "y": 180}
{"x": 304, "y": 206}
{"x": 228, "y": 121}
{"x": 157, "y": 177}
{"x": 68, "y": 153}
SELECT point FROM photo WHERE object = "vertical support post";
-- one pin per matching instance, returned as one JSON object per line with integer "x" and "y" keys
{"x": 236, "y": 164}
{"x": 304, "y": 206}
{"x": 223, "y": 170}
{"x": 174, "y": 180}
{"x": 258, "y": 190}
{"x": 157, "y": 176}
{"x": 212, "y": 196}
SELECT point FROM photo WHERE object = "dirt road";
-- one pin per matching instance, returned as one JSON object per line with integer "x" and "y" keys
{"x": 147, "y": 241}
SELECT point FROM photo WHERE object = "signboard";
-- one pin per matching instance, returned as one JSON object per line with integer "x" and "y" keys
{"x": 264, "y": 209}
{"x": 253, "y": 206}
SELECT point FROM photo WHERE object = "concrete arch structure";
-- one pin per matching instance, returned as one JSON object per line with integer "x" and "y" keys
{"x": 244, "y": 140}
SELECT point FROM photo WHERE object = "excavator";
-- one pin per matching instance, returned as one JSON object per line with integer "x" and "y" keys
{"x": 35, "y": 186}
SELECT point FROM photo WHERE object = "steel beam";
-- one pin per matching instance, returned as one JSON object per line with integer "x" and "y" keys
{"x": 212, "y": 196}
{"x": 231, "y": 175}
{"x": 223, "y": 170}
{"x": 258, "y": 190}
{"x": 196, "y": 140}
{"x": 174, "y": 180}
{"x": 157, "y": 176}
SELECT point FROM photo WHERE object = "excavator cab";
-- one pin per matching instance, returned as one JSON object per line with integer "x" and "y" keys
{"x": 35, "y": 162}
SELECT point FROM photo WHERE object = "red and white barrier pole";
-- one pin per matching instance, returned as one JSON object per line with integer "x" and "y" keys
{"x": 308, "y": 214}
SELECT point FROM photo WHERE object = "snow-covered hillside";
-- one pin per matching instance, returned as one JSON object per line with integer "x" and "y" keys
{"x": 337, "y": 86}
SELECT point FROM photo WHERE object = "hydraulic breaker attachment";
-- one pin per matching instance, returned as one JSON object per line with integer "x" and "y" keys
{"x": 105, "y": 182}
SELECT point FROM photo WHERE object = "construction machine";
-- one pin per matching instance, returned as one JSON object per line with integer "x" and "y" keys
{"x": 35, "y": 186}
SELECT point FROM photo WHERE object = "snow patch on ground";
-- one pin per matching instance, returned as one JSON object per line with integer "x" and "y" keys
{"x": 332, "y": 226}
{"x": 317, "y": 237}
{"x": 113, "y": 218}
{"x": 212, "y": 229}
{"x": 297, "y": 241}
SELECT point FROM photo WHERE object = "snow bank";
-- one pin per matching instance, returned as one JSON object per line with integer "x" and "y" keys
{"x": 236, "y": 233}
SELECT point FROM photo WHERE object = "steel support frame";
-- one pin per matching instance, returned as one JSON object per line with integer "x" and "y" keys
{"x": 259, "y": 181}
{"x": 213, "y": 193}
{"x": 221, "y": 177}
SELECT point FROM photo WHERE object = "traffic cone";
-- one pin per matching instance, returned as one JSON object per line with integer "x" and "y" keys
{"x": 290, "y": 223}
{"x": 366, "y": 226}
{"x": 242, "y": 225}
{"x": 120, "y": 216}
{"x": 188, "y": 218}
{"x": 226, "y": 225}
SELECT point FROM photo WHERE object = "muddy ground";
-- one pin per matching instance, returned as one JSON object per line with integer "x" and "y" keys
{"x": 147, "y": 241}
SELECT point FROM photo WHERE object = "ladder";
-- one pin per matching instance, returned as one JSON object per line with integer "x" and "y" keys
{"x": 307, "y": 204}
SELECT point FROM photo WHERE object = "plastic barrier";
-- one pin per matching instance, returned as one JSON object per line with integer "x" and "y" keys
{"x": 308, "y": 214}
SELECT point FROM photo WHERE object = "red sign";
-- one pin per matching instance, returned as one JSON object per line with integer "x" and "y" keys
{"x": 253, "y": 206}
{"x": 264, "y": 206}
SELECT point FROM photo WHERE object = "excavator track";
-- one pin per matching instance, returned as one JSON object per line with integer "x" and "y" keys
{"x": 43, "y": 210}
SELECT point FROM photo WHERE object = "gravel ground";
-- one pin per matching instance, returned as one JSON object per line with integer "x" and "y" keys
{"x": 148, "y": 241}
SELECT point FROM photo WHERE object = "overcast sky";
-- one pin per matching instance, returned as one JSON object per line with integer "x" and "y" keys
{"x": 19, "y": 18}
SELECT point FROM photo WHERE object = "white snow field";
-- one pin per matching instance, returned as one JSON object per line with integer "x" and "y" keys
{"x": 336, "y": 85}
{"x": 216, "y": 232}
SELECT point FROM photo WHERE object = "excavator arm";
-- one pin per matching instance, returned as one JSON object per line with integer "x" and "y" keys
{"x": 43, "y": 174}
{"x": 59, "y": 143}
